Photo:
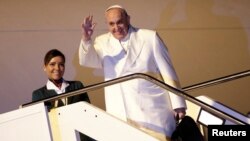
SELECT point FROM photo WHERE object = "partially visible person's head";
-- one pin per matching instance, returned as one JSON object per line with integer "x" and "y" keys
{"x": 54, "y": 64}
{"x": 118, "y": 21}
{"x": 248, "y": 114}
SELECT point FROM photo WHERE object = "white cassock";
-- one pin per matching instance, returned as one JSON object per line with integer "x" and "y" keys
{"x": 142, "y": 51}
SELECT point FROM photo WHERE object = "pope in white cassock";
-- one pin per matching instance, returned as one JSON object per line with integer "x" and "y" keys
{"x": 127, "y": 50}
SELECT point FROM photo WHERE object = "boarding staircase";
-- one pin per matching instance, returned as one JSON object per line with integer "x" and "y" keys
{"x": 33, "y": 122}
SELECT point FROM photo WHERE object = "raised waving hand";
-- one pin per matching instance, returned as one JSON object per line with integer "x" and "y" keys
{"x": 87, "y": 28}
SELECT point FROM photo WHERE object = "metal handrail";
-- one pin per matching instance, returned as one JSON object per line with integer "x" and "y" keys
{"x": 217, "y": 81}
{"x": 176, "y": 91}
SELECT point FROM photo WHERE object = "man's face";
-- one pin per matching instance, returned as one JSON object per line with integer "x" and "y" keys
{"x": 118, "y": 23}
